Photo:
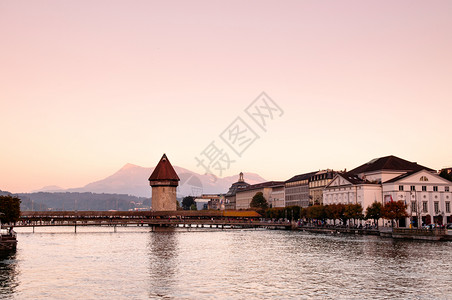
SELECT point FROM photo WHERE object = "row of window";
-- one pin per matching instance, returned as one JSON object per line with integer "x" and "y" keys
{"x": 424, "y": 188}
{"x": 296, "y": 190}
{"x": 425, "y": 207}
{"x": 296, "y": 197}
{"x": 319, "y": 183}
{"x": 295, "y": 183}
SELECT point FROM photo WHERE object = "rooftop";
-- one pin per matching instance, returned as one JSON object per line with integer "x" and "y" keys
{"x": 390, "y": 163}
{"x": 300, "y": 177}
{"x": 267, "y": 184}
{"x": 164, "y": 171}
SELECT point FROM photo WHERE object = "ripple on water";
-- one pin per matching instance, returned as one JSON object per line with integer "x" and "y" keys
{"x": 240, "y": 264}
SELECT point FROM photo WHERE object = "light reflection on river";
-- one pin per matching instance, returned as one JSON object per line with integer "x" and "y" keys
{"x": 134, "y": 263}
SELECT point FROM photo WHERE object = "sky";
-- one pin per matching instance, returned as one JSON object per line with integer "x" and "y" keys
{"x": 88, "y": 86}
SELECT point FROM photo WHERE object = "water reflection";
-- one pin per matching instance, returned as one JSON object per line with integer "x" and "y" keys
{"x": 229, "y": 264}
{"x": 8, "y": 273}
{"x": 162, "y": 263}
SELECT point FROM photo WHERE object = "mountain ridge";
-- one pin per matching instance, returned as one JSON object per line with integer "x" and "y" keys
{"x": 132, "y": 179}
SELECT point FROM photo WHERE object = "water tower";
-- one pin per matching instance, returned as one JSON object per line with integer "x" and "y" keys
{"x": 164, "y": 182}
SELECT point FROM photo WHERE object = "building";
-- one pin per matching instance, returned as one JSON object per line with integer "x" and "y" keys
{"x": 273, "y": 192}
{"x": 229, "y": 201}
{"x": 202, "y": 204}
{"x": 164, "y": 182}
{"x": 297, "y": 190}
{"x": 447, "y": 170}
{"x": 427, "y": 195}
{"x": 389, "y": 179}
{"x": 317, "y": 183}
{"x": 212, "y": 201}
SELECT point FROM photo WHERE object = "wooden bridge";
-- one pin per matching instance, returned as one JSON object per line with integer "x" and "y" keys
{"x": 185, "y": 219}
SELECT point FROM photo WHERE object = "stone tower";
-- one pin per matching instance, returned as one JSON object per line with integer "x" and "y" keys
{"x": 164, "y": 181}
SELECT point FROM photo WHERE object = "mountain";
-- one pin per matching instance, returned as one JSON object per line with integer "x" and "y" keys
{"x": 49, "y": 189}
{"x": 133, "y": 180}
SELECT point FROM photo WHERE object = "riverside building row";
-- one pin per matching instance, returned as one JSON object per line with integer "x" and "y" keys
{"x": 301, "y": 190}
{"x": 427, "y": 195}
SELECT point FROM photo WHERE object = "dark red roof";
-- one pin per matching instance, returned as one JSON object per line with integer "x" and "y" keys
{"x": 267, "y": 184}
{"x": 164, "y": 171}
{"x": 388, "y": 163}
{"x": 305, "y": 176}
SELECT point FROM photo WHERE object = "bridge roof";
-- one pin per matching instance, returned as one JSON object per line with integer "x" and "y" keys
{"x": 164, "y": 171}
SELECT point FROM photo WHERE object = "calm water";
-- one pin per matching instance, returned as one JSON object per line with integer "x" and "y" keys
{"x": 133, "y": 263}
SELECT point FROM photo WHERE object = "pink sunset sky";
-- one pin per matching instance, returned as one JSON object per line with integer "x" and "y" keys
{"x": 88, "y": 86}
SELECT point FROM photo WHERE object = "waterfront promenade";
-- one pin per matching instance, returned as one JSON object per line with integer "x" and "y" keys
{"x": 229, "y": 219}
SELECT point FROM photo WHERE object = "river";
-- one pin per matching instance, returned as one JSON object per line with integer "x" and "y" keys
{"x": 135, "y": 263}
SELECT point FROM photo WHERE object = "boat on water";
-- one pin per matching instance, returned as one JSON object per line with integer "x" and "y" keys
{"x": 8, "y": 238}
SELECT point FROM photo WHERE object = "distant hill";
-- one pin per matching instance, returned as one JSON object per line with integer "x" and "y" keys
{"x": 26, "y": 203}
{"x": 83, "y": 201}
{"x": 133, "y": 180}
{"x": 126, "y": 189}
{"x": 50, "y": 189}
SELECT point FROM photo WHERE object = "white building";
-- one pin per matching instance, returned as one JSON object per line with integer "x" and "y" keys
{"x": 273, "y": 192}
{"x": 392, "y": 178}
{"x": 427, "y": 195}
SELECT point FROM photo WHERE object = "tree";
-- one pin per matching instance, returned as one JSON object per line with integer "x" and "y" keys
{"x": 353, "y": 211}
{"x": 259, "y": 202}
{"x": 187, "y": 202}
{"x": 178, "y": 205}
{"x": 374, "y": 212}
{"x": 394, "y": 210}
{"x": 316, "y": 212}
{"x": 193, "y": 207}
{"x": 292, "y": 212}
{"x": 274, "y": 213}
{"x": 334, "y": 212}
{"x": 10, "y": 209}
{"x": 303, "y": 212}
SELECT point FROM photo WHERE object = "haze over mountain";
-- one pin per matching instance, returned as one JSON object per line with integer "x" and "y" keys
{"x": 133, "y": 180}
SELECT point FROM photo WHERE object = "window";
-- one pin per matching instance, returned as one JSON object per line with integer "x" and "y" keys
{"x": 423, "y": 178}
{"x": 435, "y": 188}
{"x": 413, "y": 206}
{"x": 424, "y": 188}
{"x": 446, "y": 188}
{"x": 436, "y": 204}
{"x": 447, "y": 207}
{"x": 400, "y": 187}
{"x": 412, "y": 188}
{"x": 424, "y": 206}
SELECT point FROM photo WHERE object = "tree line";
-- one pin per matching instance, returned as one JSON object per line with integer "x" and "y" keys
{"x": 394, "y": 211}
{"x": 9, "y": 209}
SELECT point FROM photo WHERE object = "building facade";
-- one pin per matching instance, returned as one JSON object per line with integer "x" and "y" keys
{"x": 229, "y": 199}
{"x": 317, "y": 183}
{"x": 390, "y": 178}
{"x": 427, "y": 195}
{"x": 297, "y": 190}
{"x": 273, "y": 192}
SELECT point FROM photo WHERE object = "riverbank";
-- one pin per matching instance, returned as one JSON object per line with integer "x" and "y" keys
{"x": 388, "y": 232}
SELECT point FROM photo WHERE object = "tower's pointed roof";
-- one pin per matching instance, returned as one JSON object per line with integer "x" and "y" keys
{"x": 164, "y": 171}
